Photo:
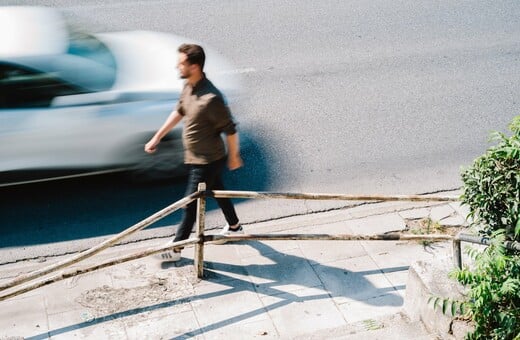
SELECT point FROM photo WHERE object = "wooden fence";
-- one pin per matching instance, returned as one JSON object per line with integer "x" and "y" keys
{"x": 40, "y": 278}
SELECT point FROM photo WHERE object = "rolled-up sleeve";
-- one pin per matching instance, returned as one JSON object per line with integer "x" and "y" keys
{"x": 179, "y": 108}
{"x": 221, "y": 116}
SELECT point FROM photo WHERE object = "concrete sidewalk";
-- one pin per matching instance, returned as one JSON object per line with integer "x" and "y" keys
{"x": 267, "y": 289}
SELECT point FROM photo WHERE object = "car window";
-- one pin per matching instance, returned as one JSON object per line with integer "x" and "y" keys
{"x": 88, "y": 46}
{"x": 88, "y": 66}
{"x": 22, "y": 87}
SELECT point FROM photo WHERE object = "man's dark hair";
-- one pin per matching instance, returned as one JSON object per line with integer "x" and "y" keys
{"x": 194, "y": 53}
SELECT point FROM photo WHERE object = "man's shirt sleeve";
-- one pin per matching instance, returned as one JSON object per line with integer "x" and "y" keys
{"x": 179, "y": 107}
{"x": 221, "y": 116}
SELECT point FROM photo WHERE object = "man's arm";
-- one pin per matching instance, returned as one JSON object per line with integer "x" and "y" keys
{"x": 173, "y": 119}
{"x": 223, "y": 121}
{"x": 234, "y": 159}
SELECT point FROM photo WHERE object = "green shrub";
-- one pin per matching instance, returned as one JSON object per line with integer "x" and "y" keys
{"x": 492, "y": 185}
{"x": 492, "y": 192}
{"x": 493, "y": 297}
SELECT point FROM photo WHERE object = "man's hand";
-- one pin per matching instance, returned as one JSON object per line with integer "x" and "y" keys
{"x": 170, "y": 122}
{"x": 151, "y": 146}
{"x": 235, "y": 162}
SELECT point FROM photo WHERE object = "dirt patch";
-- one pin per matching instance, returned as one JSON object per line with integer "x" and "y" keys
{"x": 173, "y": 287}
{"x": 425, "y": 226}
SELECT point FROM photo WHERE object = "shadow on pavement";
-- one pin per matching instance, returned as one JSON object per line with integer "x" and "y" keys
{"x": 273, "y": 273}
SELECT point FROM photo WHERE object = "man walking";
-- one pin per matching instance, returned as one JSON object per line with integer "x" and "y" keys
{"x": 205, "y": 115}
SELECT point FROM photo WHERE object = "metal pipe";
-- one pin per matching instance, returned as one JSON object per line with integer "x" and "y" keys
{"x": 484, "y": 240}
{"x": 511, "y": 245}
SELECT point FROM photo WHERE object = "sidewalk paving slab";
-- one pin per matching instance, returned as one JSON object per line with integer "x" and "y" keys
{"x": 375, "y": 307}
{"x": 211, "y": 303}
{"x": 442, "y": 212}
{"x": 378, "y": 224}
{"x": 353, "y": 279}
{"x": 416, "y": 213}
{"x": 23, "y": 316}
{"x": 81, "y": 324}
{"x": 276, "y": 273}
{"x": 149, "y": 325}
{"x": 302, "y": 311}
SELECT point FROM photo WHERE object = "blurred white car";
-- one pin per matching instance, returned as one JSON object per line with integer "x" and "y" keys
{"x": 88, "y": 103}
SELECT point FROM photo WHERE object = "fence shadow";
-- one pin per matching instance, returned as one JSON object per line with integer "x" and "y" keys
{"x": 283, "y": 269}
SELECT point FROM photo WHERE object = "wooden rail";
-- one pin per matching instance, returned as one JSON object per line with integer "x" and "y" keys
{"x": 201, "y": 239}
{"x": 328, "y": 197}
{"x": 337, "y": 237}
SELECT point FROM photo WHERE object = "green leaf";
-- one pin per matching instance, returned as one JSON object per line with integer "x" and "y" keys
{"x": 436, "y": 300}
{"x": 463, "y": 308}
{"x": 445, "y": 304}
{"x": 453, "y": 308}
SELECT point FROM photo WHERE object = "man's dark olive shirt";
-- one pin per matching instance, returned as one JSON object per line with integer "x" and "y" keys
{"x": 206, "y": 116}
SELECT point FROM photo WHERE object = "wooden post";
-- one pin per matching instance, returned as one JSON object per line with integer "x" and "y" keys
{"x": 199, "y": 246}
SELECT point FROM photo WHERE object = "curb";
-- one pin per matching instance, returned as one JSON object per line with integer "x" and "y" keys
{"x": 426, "y": 280}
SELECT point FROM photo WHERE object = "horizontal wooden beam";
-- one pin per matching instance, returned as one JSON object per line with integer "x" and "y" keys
{"x": 343, "y": 237}
{"x": 344, "y": 197}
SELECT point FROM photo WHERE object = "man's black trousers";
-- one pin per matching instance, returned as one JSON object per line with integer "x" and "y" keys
{"x": 211, "y": 174}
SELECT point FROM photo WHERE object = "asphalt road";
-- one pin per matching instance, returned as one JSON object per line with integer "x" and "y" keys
{"x": 339, "y": 96}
